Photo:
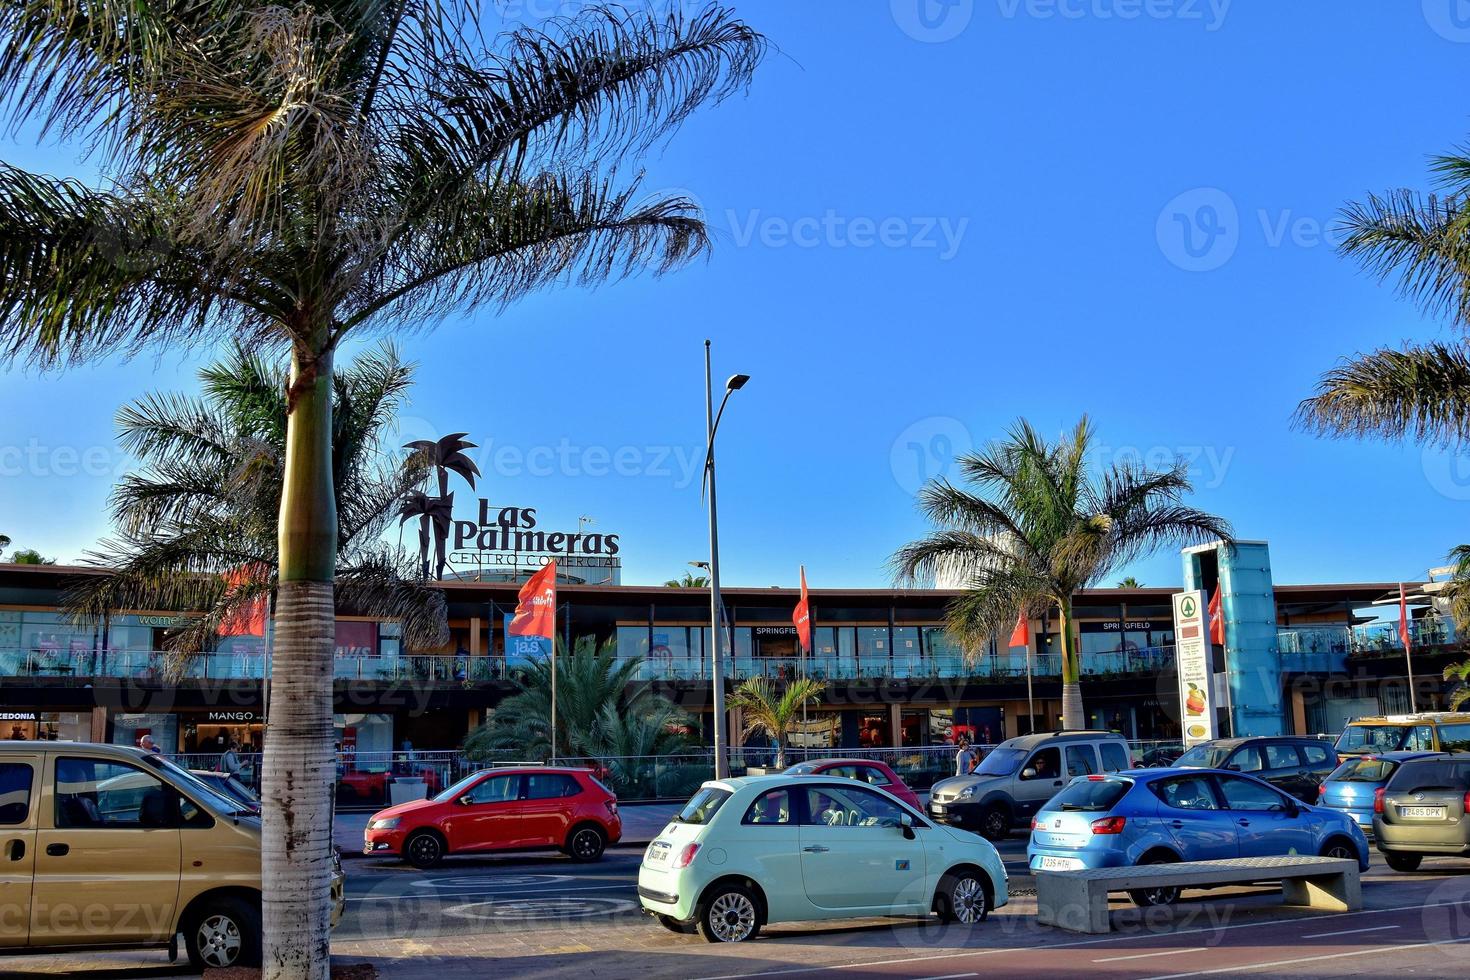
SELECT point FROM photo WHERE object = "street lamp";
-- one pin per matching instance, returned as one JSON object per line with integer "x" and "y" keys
{"x": 717, "y": 672}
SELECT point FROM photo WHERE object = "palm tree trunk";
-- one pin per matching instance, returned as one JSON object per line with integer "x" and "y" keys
{"x": 298, "y": 767}
{"x": 1074, "y": 718}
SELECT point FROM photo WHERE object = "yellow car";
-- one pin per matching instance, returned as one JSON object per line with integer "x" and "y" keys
{"x": 106, "y": 847}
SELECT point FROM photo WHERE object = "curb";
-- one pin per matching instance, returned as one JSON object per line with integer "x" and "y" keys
{"x": 357, "y": 855}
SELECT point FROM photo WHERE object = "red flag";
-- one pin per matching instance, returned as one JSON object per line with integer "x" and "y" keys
{"x": 1021, "y": 635}
{"x": 802, "y": 617}
{"x": 1403, "y": 618}
{"x": 1217, "y": 620}
{"x": 536, "y": 608}
{"x": 247, "y": 619}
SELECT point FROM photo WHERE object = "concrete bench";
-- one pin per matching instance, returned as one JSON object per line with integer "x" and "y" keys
{"x": 1078, "y": 900}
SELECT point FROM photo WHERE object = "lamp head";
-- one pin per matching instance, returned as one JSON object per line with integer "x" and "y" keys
{"x": 736, "y": 382}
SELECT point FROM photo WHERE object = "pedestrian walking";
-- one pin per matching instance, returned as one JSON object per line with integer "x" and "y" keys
{"x": 965, "y": 759}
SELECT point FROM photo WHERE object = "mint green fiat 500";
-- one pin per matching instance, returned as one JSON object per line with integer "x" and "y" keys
{"x": 760, "y": 849}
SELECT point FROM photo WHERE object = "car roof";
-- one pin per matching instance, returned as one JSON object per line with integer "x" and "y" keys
{"x": 734, "y": 783}
{"x": 1422, "y": 717}
{"x": 1037, "y": 738}
{"x": 30, "y": 747}
{"x": 836, "y": 761}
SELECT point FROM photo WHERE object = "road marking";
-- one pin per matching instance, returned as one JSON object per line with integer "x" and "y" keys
{"x": 1314, "y": 959}
{"x": 1349, "y": 932}
{"x": 1072, "y": 945}
{"x": 461, "y": 895}
{"x": 950, "y": 976}
{"x": 530, "y": 910}
{"x": 1144, "y": 956}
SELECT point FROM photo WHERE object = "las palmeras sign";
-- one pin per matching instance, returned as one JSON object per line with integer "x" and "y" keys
{"x": 508, "y": 536}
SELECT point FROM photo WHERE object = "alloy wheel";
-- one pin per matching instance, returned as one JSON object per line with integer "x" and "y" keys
{"x": 219, "y": 940}
{"x": 1339, "y": 851}
{"x": 967, "y": 901}
{"x": 732, "y": 917}
{"x": 585, "y": 844}
{"x": 424, "y": 848}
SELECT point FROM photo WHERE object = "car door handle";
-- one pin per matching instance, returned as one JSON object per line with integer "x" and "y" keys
{"x": 1176, "y": 824}
{"x": 1244, "y": 822}
{"x": 16, "y": 848}
{"x": 57, "y": 850}
{"x": 816, "y": 849}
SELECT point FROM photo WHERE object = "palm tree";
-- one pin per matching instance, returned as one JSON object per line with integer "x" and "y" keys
{"x": 774, "y": 712}
{"x": 689, "y": 581}
{"x": 296, "y": 175}
{"x": 1421, "y": 392}
{"x": 197, "y": 523}
{"x": 1129, "y": 582}
{"x": 30, "y": 556}
{"x": 1040, "y": 525}
{"x": 445, "y": 455}
{"x": 596, "y": 712}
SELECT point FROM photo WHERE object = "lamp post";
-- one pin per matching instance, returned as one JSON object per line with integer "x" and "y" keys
{"x": 717, "y": 672}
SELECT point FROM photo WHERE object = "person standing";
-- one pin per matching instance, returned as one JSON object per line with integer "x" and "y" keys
{"x": 964, "y": 760}
{"x": 229, "y": 762}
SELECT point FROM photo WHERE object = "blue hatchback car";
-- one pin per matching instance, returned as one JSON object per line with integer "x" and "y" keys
{"x": 1351, "y": 786}
{"x": 1158, "y": 816}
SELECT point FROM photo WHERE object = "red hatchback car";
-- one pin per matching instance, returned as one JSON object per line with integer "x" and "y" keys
{"x": 520, "y": 809}
{"x": 864, "y": 770}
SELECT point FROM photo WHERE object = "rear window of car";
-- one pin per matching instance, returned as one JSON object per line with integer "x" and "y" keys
{"x": 702, "y": 806}
{"x": 1414, "y": 776}
{"x": 1115, "y": 757}
{"x": 1315, "y": 755}
{"x": 1364, "y": 771}
{"x": 1090, "y": 794}
{"x": 1454, "y": 738}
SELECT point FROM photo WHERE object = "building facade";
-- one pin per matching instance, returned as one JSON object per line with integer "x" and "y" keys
{"x": 893, "y": 674}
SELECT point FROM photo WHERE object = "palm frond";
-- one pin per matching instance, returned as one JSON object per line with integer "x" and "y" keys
{"x": 1420, "y": 393}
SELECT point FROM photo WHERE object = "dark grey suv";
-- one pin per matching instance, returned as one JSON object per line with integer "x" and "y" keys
{"x": 1294, "y": 764}
{"x": 1423, "y": 810}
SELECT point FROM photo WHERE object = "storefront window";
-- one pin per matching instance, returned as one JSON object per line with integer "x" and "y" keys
{"x": 364, "y": 741}
{"x": 873, "y": 731}
{"x": 822, "y": 730}
{"x": 908, "y": 661}
{"x": 47, "y": 726}
{"x": 127, "y": 729}
{"x": 872, "y": 650}
{"x": 632, "y": 641}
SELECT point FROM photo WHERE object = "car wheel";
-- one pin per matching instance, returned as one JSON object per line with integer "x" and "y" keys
{"x": 1149, "y": 898}
{"x": 424, "y": 849}
{"x": 1339, "y": 849}
{"x": 729, "y": 914}
{"x": 1403, "y": 862}
{"x": 225, "y": 932}
{"x": 962, "y": 898}
{"x": 995, "y": 823}
{"x": 674, "y": 925}
{"x": 586, "y": 844}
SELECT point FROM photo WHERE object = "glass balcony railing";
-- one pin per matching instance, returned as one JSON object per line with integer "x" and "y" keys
{"x": 1364, "y": 640}
{"x": 153, "y": 666}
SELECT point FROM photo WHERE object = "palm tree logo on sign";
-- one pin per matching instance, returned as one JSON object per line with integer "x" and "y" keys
{"x": 435, "y": 514}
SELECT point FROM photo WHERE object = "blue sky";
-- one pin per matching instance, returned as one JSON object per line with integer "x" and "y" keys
{"x": 925, "y": 228}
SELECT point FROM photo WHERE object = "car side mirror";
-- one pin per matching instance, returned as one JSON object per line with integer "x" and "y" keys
{"x": 1233, "y": 767}
{"x": 1028, "y": 773}
{"x": 466, "y": 800}
{"x": 906, "y": 824}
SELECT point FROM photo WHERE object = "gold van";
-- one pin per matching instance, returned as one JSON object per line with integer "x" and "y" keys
{"x": 107, "y": 847}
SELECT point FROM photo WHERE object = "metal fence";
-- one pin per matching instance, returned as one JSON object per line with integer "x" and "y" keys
{"x": 368, "y": 779}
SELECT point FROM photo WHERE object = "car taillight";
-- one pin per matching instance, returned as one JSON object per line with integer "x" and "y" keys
{"x": 682, "y": 859}
{"x": 1467, "y": 802}
{"x": 1378, "y": 800}
{"x": 1035, "y": 823}
{"x": 1094, "y": 779}
{"x": 612, "y": 808}
{"x": 1109, "y": 825}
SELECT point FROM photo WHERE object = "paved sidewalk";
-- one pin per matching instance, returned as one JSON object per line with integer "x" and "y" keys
{"x": 641, "y": 824}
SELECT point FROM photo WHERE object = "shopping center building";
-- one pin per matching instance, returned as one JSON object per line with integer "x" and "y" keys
{"x": 1301, "y": 658}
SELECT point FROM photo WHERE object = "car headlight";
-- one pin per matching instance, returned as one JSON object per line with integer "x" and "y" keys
{"x": 387, "y": 823}
{"x": 965, "y": 793}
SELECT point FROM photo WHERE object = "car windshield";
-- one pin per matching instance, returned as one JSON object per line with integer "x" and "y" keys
{"x": 1000, "y": 762}
{"x": 1090, "y": 794}
{"x": 1364, "y": 771}
{"x": 1431, "y": 774}
{"x": 458, "y": 789}
{"x": 703, "y": 805}
{"x": 1204, "y": 757}
{"x": 802, "y": 769}
{"x": 208, "y": 795}
{"x": 1372, "y": 738}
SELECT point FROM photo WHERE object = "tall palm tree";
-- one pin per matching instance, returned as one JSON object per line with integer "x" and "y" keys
{"x": 689, "y": 581}
{"x": 773, "y": 712}
{"x": 1129, "y": 582}
{"x": 1041, "y": 524}
{"x": 296, "y": 175}
{"x": 590, "y": 683}
{"x": 1421, "y": 392}
{"x": 197, "y": 522}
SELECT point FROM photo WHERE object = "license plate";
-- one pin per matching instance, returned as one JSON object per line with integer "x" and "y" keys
{"x": 935, "y": 809}
{"x": 1422, "y": 812}
{"x": 658, "y": 853}
{"x": 1060, "y": 864}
